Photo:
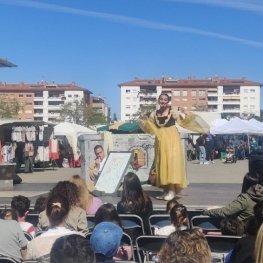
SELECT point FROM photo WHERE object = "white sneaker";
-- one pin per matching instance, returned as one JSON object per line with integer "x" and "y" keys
{"x": 169, "y": 196}
{"x": 200, "y": 163}
{"x": 161, "y": 197}
{"x": 213, "y": 161}
{"x": 206, "y": 162}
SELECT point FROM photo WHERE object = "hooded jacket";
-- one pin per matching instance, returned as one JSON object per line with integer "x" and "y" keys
{"x": 242, "y": 207}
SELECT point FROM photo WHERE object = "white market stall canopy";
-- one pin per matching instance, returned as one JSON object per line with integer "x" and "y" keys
{"x": 72, "y": 132}
{"x": 237, "y": 126}
{"x": 217, "y": 123}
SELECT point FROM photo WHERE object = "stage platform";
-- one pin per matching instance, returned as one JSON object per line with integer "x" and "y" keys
{"x": 209, "y": 185}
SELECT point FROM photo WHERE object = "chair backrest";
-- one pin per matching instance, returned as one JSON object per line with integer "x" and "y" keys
{"x": 149, "y": 244}
{"x": 132, "y": 221}
{"x": 194, "y": 212}
{"x": 6, "y": 260}
{"x": 39, "y": 233}
{"x": 28, "y": 236}
{"x": 33, "y": 219}
{"x": 206, "y": 223}
{"x": 159, "y": 221}
{"x": 90, "y": 220}
{"x": 221, "y": 244}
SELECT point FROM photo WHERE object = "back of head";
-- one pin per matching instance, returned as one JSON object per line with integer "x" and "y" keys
{"x": 178, "y": 215}
{"x": 231, "y": 227}
{"x": 106, "y": 239}
{"x": 249, "y": 180}
{"x": 67, "y": 189}
{"x": 252, "y": 226}
{"x": 9, "y": 214}
{"x": 171, "y": 204}
{"x": 21, "y": 204}
{"x": 72, "y": 249}
{"x": 57, "y": 210}
{"x": 40, "y": 204}
{"x": 132, "y": 194}
{"x": 257, "y": 167}
{"x": 107, "y": 213}
{"x": 185, "y": 246}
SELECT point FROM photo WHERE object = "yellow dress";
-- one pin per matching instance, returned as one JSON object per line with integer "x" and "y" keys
{"x": 169, "y": 158}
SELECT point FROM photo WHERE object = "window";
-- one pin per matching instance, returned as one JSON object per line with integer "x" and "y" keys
{"x": 76, "y": 96}
{"x": 38, "y": 94}
{"x": 193, "y": 92}
{"x": 245, "y": 91}
{"x": 21, "y": 103}
{"x": 201, "y": 92}
{"x": 176, "y": 92}
{"x": 28, "y": 111}
{"x": 38, "y": 118}
{"x": 184, "y": 92}
{"x": 245, "y": 98}
{"x": 128, "y": 98}
{"x": 245, "y": 106}
{"x": 176, "y": 99}
{"x": 28, "y": 119}
{"x": 51, "y": 119}
{"x": 128, "y": 106}
{"x": 3, "y": 95}
{"x": 134, "y": 90}
{"x": 252, "y": 90}
{"x": 20, "y": 95}
{"x": 29, "y": 95}
{"x": 134, "y": 106}
{"x": 193, "y": 99}
{"x": 128, "y": 91}
{"x": 12, "y": 96}
{"x": 252, "y": 98}
{"x": 29, "y": 103}
{"x": 184, "y": 99}
{"x": 201, "y": 98}
{"x": 193, "y": 108}
{"x": 69, "y": 96}
{"x": 134, "y": 99}
{"x": 127, "y": 114}
{"x": 252, "y": 107}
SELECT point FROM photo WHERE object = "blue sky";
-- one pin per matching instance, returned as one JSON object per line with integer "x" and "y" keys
{"x": 99, "y": 44}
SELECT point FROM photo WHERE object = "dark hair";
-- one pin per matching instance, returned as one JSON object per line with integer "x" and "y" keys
{"x": 71, "y": 249}
{"x": 21, "y": 204}
{"x": 231, "y": 227}
{"x": 170, "y": 204}
{"x": 107, "y": 213}
{"x": 178, "y": 214}
{"x": 165, "y": 94}
{"x": 133, "y": 197}
{"x": 258, "y": 212}
{"x": 57, "y": 209}
{"x": 67, "y": 189}
{"x": 249, "y": 180}
{"x": 9, "y": 214}
{"x": 40, "y": 204}
{"x": 252, "y": 226}
{"x": 256, "y": 167}
{"x": 97, "y": 147}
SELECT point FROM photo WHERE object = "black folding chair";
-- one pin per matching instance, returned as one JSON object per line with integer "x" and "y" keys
{"x": 39, "y": 233}
{"x": 90, "y": 220}
{"x": 206, "y": 223}
{"x": 132, "y": 221}
{"x": 159, "y": 221}
{"x": 194, "y": 212}
{"x": 149, "y": 245}
{"x": 28, "y": 236}
{"x": 7, "y": 260}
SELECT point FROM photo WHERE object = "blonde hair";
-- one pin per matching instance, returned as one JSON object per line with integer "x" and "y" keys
{"x": 85, "y": 199}
{"x": 258, "y": 251}
{"x": 9, "y": 214}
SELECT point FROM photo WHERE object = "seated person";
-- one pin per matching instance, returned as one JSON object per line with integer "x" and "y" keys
{"x": 170, "y": 204}
{"x": 12, "y": 240}
{"x": 97, "y": 164}
{"x": 105, "y": 240}
{"x": 9, "y": 214}
{"x": 72, "y": 249}
{"x": 22, "y": 205}
{"x": 178, "y": 215}
{"x": 40, "y": 205}
{"x": 57, "y": 210}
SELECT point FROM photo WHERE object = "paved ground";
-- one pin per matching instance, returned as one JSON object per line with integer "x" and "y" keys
{"x": 213, "y": 184}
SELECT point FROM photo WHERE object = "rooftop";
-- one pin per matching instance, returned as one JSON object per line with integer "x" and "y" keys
{"x": 171, "y": 82}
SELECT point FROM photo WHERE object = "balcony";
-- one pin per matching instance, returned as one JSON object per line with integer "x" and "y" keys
{"x": 38, "y": 113}
{"x": 144, "y": 102}
{"x": 212, "y": 102}
{"x": 211, "y": 94}
{"x": 231, "y": 102}
{"x": 38, "y": 106}
{"x": 149, "y": 95}
{"x": 232, "y": 110}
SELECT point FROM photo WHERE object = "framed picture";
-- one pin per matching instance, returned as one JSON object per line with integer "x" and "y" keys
{"x": 113, "y": 171}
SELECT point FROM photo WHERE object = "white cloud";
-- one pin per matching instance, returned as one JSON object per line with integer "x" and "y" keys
{"x": 133, "y": 21}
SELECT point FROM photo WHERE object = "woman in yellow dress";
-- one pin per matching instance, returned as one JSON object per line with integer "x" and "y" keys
{"x": 169, "y": 157}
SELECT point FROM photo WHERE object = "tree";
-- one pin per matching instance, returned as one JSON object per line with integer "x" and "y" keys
{"x": 114, "y": 118}
{"x": 10, "y": 108}
{"x": 75, "y": 111}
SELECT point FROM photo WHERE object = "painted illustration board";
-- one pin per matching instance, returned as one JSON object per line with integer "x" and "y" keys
{"x": 113, "y": 171}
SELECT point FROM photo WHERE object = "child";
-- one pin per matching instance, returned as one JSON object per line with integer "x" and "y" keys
{"x": 170, "y": 204}
{"x": 22, "y": 204}
{"x": 178, "y": 215}
{"x": 231, "y": 227}
{"x": 40, "y": 204}
{"x": 9, "y": 214}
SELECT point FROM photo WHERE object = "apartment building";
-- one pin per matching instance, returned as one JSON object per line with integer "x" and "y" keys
{"x": 230, "y": 97}
{"x": 101, "y": 105}
{"x": 42, "y": 101}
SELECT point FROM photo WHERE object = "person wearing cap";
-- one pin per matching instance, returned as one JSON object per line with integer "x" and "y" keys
{"x": 105, "y": 240}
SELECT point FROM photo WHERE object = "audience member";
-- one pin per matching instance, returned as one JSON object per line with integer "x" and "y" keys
{"x": 72, "y": 249}
{"x": 76, "y": 219}
{"x": 58, "y": 208}
{"x": 86, "y": 201}
{"x": 22, "y": 205}
{"x": 231, "y": 227}
{"x": 202, "y": 152}
{"x": 108, "y": 213}
{"x": 186, "y": 246}
{"x": 105, "y": 240}
{"x": 209, "y": 148}
{"x": 242, "y": 207}
{"x": 170, "y": 204}
{"x": 12, "y": 240}
{"x": 178, "y": 217}
{"x": 134, "y": 201}
{"x": 9, "y": 214}
{"x": 40, "y": 205}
